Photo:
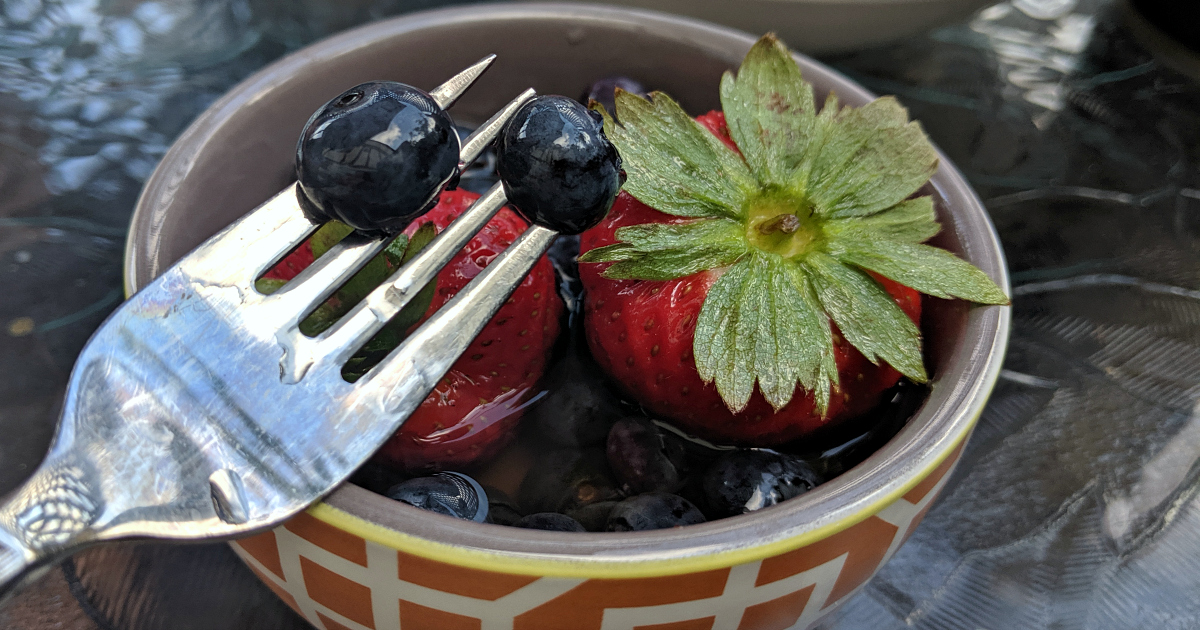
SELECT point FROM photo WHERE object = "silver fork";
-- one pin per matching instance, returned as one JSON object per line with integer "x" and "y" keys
{"x": 199, "y": 410}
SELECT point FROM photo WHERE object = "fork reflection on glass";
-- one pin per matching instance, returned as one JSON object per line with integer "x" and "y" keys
{"x": 199, "y": 411}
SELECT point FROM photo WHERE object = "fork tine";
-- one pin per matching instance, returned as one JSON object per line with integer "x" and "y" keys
{"x": 275, "y": 228}
{"x": 367, "y": 317}
{"x": 319, "y": 280}
{"x": 475, "y": 143}
{"x": 447, "y": 93}
{"x": 258, "y": 240}
{"x": 409, "y": 373}
{"x": 336, "y": 345}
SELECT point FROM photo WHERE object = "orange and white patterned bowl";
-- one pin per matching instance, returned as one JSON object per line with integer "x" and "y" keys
{"x": 359, "y": 560}
{"x": 340, "y": 571}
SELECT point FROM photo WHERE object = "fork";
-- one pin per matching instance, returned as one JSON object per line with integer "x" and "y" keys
{"x": 199, "y": 411}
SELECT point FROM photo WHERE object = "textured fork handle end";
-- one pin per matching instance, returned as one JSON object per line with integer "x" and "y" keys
{"x": 18, "y": 566}
{"x": 47, "y": 518}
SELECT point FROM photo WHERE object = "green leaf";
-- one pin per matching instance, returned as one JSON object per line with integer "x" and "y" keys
{"x": 761, "y": 323}
{"x": 395, "y": 331}
{"x": 394, "y": 252}
{"x": 927, "y": 269}
{"x": 816, "y": 327}
{"x": 419, "y": 240}
{"x": 371, "y": 354}
{"x": 872, "y": 158}
{"x": 415, "y": 309}
{"x": 664, "y": 251}
{"x": 322, "y": 318}
{"x": 400, "y": 250}
{"x": 362, "y": 283}
{"x": 910, "y": 221}
{"x": 327, "y": 236}
{"x": 267, "y": 286}
{"x": 770, "y": 111}
{"x": 867, "y": 315}
{"x": 673, "y": 164}
{"x": 318, "y": 321}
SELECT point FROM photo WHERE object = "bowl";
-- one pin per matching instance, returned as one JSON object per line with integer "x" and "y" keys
{"x": 359, "y": 560}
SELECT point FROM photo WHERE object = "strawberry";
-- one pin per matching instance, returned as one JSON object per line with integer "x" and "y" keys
{"x": 473, "y": 411}
{"x": 641, "y": 333}
{"x": 293, "y": 263}
{"x": 752, "y": 282}
{"x": 714, "y": 122}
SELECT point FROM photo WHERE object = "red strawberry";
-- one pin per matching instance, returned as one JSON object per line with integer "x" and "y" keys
{"x": 714, "y": 121}
{"x": 755, "y": 287}
{"x": 473, "y": 411}
{"x": 641, "y": 333}
{"x": 293, "y": 263}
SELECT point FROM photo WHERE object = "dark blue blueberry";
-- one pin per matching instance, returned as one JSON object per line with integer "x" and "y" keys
{"x": 566, "y": 480}
{"x": 653, "y": 510}
{"x": 751, "y": 479}
{"x": 604, "y": 91}
{"x": 501, "y": 509}
{"x": 593, "y": 516}
{"x": 558, "y": 168}
{"x": 449, "y": 493}
{"x": 579, "y": 409}
{"x": 550, "y": 521}
{"x": 644, "y": 458}
{"x": 376, "y": 157}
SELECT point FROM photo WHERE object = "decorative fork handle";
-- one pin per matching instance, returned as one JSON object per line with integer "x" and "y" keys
{"x": 16, "y": 561}
{"x": 62, "y": 508}
{"x": 47, "y": 518}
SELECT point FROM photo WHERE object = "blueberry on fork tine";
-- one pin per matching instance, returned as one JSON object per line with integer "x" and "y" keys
{"x": 376, "y": 156}
{"x": 558, "y": 168}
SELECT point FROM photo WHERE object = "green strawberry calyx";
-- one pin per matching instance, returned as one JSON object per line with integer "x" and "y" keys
{"x": 812, "y": 201}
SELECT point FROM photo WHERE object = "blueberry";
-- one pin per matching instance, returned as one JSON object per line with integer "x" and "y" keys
{"x": 566, "y": 480}
{"x": 643, "y": 458}
{"x": 558, "y": 168}
{"x": 377, "y": 477}
{"x": 653, "y": 510}
{"x": 501, "y": 509}
{"x": 593, "y": 516}
{"x": 579, "y": 409}
{"x": 550, "y": 521}
{"x": 751, "y": 479}
{"x": 376, "y": 157}
{"x": 604, "y": 91}
{"x": 449, "y": 493}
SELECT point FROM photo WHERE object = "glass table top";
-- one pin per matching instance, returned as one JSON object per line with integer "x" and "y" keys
{"x": 1075, "y": 504}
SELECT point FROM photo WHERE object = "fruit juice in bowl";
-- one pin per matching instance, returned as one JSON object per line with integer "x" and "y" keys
{"x": 644, "y": 493}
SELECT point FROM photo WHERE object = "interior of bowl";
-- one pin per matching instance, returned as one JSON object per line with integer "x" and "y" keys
{"x": 240, "y": 152}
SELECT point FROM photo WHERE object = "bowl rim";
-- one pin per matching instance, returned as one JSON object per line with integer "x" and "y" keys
{"x": 930, "y": 438}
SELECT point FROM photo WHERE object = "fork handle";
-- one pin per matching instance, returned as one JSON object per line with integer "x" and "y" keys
{"x": 18, "y": 566}
{"x": 46, "y": 519}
